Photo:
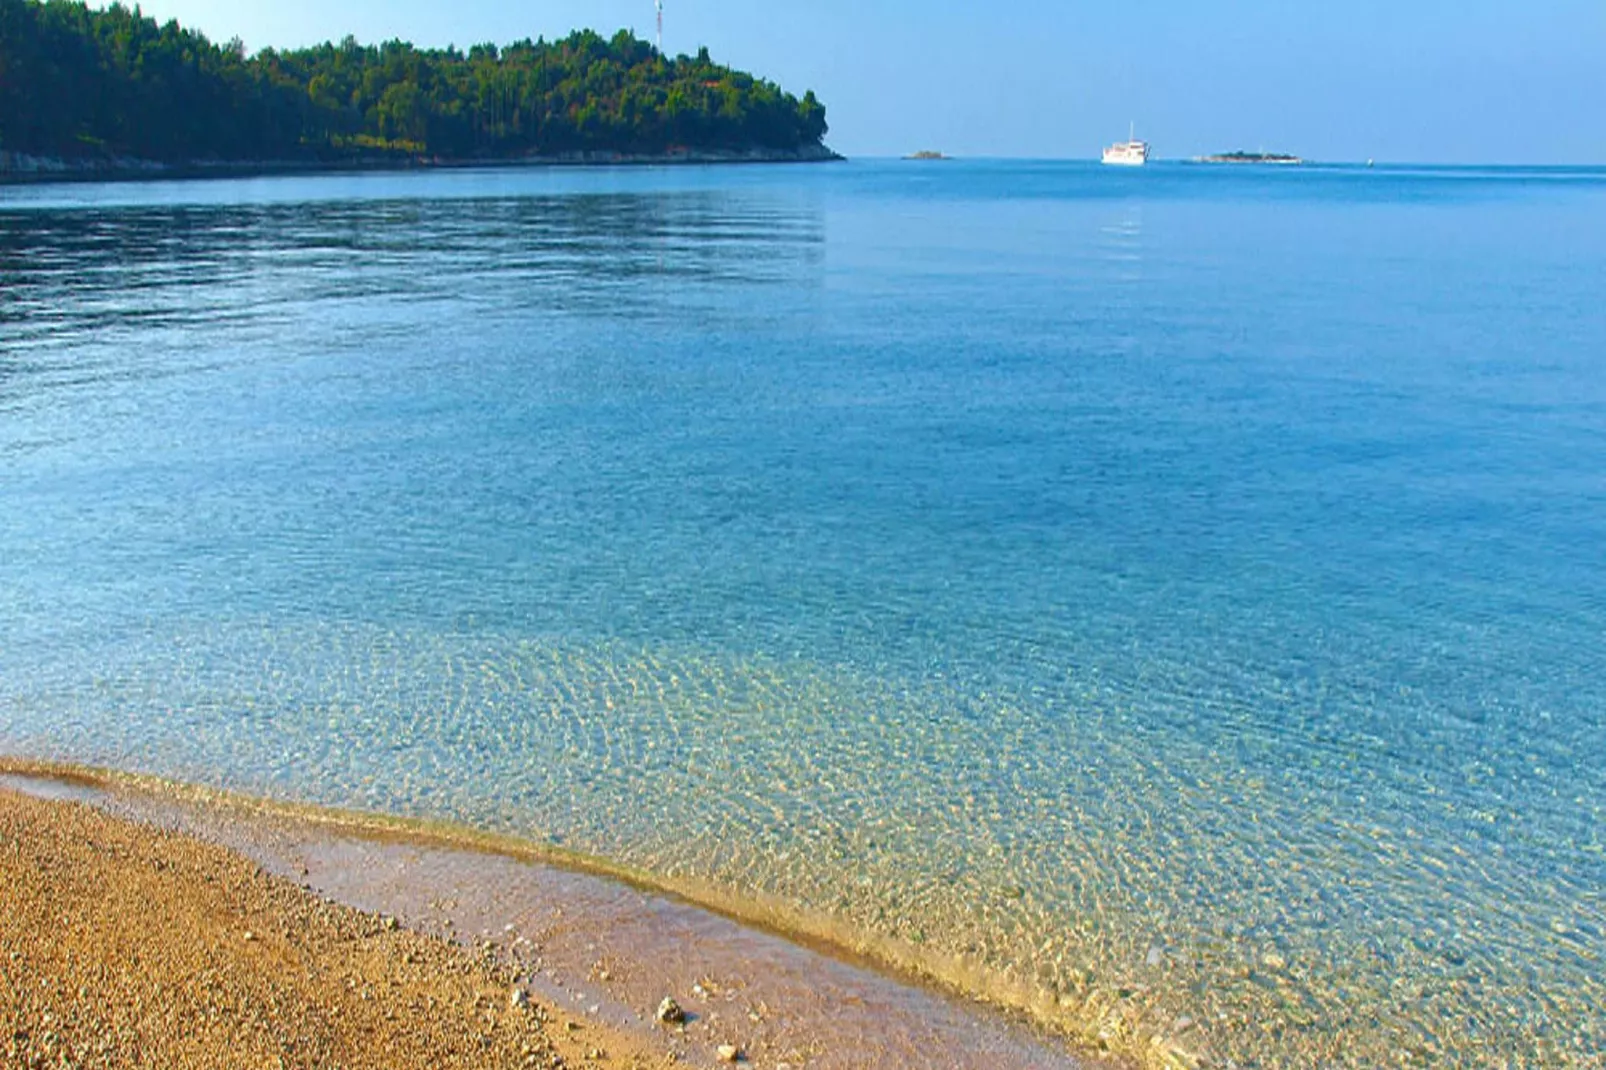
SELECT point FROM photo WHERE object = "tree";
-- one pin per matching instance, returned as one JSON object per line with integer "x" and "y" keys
{"x": 77, "y": 82}
{"x": 401, "y": 113}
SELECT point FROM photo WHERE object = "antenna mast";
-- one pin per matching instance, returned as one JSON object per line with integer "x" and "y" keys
{"x": 659, "y": 4}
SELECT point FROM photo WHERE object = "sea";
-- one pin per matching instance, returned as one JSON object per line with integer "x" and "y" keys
{"x": 1169, "y": 603}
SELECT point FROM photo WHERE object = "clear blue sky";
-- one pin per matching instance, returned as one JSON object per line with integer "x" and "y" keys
{"x": 1498, "y": 81}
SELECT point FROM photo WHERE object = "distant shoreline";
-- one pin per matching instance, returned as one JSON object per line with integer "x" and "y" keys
{"x": 23, "y": 169}
{"x": 1275, "y": 159}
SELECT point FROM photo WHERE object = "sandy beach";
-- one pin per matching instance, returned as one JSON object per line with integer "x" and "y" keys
{"x": 145, "y": 926}
{"x": 126, "y": 945}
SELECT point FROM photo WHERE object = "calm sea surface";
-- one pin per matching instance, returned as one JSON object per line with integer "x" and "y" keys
{"x": 1174, "y": 600}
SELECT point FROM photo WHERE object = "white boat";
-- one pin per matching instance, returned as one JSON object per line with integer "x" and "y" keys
{"x": 1130, "y": 153}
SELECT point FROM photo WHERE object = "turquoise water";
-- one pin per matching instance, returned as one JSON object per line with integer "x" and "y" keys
{"x": 1172, "y": 600}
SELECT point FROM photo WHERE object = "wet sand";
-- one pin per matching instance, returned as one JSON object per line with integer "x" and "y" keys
{"x": 324, "y": 980}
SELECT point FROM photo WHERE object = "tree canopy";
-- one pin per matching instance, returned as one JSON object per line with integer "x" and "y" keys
{"x": 78, "y": 82}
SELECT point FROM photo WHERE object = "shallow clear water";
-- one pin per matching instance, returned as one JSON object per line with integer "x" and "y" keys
{"x": 1175, "y": 600}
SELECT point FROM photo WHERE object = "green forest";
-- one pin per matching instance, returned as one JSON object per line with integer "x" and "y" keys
{"x": 77, "y": 83}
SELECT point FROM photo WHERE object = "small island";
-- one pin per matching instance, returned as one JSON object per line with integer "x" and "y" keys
{"x": 927, "y": 154}
{"x": 1240, "y": 156}
{"x": 103, "y": 93}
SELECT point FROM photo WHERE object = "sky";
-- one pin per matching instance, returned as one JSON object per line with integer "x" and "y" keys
{"x": 1411, "y": 81}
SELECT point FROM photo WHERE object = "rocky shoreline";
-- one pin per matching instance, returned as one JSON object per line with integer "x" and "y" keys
{"x": 19, "y": 168}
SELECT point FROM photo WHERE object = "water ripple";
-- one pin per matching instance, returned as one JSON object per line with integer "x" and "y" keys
{"x": 1168, "y": 603}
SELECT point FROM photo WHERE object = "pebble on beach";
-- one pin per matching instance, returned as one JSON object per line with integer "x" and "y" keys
{"x": 729, "y": 1053}
{"x": 669, "y": 1012}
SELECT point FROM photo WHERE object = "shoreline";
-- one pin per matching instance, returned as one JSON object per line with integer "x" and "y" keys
{"x": 221, "y": 963}
{"x": 802, "y": 995}
{"x": 20, "y": 169}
